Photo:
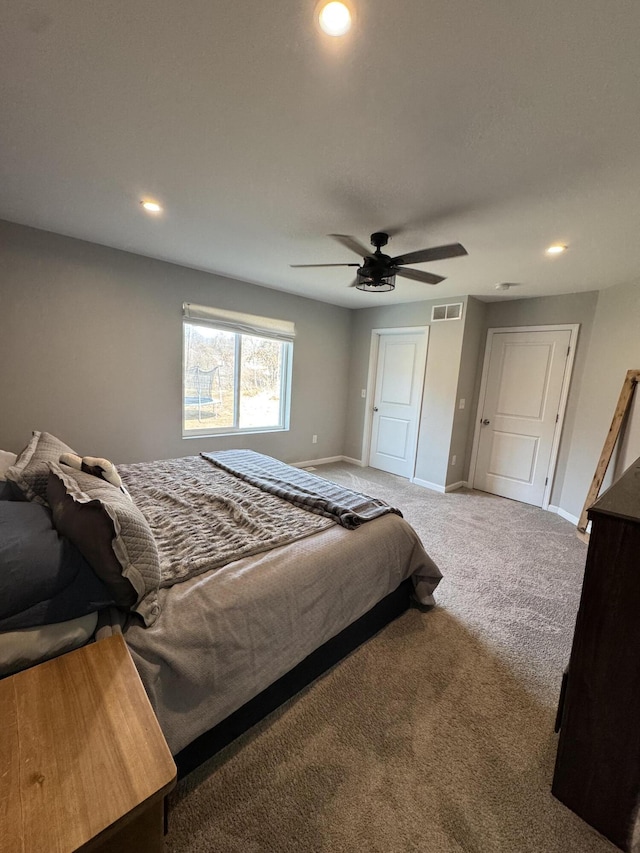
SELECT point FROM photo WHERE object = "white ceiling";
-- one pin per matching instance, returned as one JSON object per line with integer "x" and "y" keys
{"x": 505, "y": 125}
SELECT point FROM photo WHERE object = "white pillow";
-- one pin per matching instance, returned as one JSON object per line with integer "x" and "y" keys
{"x": 29, "y": 646}
{"x": 7, "y": 459}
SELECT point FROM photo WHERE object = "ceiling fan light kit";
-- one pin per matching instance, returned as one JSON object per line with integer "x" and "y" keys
{"x": 377, "y": 273}
{"x": 368, "y": 282}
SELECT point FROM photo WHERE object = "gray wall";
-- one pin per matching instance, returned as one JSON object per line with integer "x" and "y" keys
{"x": 91, "y": 350}
{"x": 547, "y": 310}
{"x": 441, "y": 380}
{"x": 614, "y": 349}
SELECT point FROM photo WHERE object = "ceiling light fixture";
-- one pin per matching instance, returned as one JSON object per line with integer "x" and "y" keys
{"x": 556, "y": 249}
{"x": 335, "y": 19}
{"x": 151, "y": 206}
{"x": 374, "y": 281}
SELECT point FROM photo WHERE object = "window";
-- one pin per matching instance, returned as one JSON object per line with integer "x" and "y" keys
{"x": 236, "y": 372}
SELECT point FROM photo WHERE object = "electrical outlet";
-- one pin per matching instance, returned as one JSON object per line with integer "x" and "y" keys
{"x": 363, "y": 393}
{"x": 462, "y": 402}
{"x": 453, "y": 460}
{"x": 314, "y": 439}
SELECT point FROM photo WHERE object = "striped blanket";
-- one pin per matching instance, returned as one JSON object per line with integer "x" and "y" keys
{"x": 344, "y": 506}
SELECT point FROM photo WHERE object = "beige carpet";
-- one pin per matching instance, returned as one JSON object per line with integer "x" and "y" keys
{"x": 437, "y": 734}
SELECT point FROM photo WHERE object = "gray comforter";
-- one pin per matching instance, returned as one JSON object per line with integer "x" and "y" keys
{"x": 224, "y": 636}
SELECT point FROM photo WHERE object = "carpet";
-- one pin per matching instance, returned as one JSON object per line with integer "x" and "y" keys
{"x": 436, "y": 735}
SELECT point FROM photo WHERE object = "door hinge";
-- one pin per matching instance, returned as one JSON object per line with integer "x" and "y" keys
{"x": 568, "y": 351}
{"x": 557, "y": 418}
{"x": 546, "y": 482}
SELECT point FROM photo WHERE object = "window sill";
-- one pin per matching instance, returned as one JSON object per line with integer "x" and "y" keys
{"x": 236, "y": 432}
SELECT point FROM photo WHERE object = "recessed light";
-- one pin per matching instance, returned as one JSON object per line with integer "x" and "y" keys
{"x": 556, "y": 249}
{"x": 335, "y": 19}
{"x": 151, "y": 206}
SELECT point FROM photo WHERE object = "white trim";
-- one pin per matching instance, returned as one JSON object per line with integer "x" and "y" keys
{"x": 568, "y": 517}
{"x": 573, "y": 519}
{"x": 360, "y": 462}
{"x": 435, "y": 487}
{"x": 324, "y": 461}
{"x": 371, "y": 384}
{"x": 562, "y": 408}
{"x": 573, "y": 328}
{"x": 453, "y": 487}
{"x": 564, "y": 514}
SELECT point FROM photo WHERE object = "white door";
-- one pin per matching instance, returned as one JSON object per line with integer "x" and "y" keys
{"x": 519, "y": 415}
{"x": 397, "y": 399}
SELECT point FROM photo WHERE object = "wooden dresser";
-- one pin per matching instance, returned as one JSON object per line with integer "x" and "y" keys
{"x": 597, "y": 772}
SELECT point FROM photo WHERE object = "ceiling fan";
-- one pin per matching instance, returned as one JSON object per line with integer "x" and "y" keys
{"x": 378, "y": 272}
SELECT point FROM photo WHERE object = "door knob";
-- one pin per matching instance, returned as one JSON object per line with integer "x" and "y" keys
{"x": 486, "y": 422}
{"x": 375, "y": 408}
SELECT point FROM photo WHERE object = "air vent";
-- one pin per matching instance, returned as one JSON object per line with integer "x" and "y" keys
{"x": 453, "y": 311}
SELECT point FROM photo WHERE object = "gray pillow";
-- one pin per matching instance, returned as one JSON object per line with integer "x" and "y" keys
{"x": 6, "y": 491}
{"x": 43, "y": 578}
{"x": 112, "y": 534}
{"x": 31, "y": 470}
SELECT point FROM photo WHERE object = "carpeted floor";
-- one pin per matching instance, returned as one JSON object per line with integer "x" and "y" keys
{"x": 436, "y": 735}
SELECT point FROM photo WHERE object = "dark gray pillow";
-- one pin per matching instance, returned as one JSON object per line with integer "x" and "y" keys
{"x": 31, "y": 470}
{"x": 43, "y": 577}
{"x": 111, "y": 533}
{"x": 6, "y": 492}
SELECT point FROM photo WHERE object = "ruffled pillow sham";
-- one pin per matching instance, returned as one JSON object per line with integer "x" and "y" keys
{"x": 31, "y": 469}
{"x": 111, "y": 533}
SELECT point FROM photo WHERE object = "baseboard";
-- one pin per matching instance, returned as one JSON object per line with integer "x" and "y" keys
{"x": 461, "y": 484}
{"x": 564, "y": 514}
{"x": 435, "y": 487}
{"x": 352, "y": 461}
{"x": 567, "y": 516}
{"x": 324, "y": 461}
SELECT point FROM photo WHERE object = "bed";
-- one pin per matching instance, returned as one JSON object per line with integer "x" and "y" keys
{"x": 234, "y": 578}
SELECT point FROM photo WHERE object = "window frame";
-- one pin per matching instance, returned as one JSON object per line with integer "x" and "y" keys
{"x": 286, "y": 375}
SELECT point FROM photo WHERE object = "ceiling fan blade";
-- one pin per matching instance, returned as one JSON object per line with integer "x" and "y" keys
{"x": 351, "y": 243}
{"x": 298, "y": 266}
{"x": 437, "y": 253}
{"x": 419, "y": 275}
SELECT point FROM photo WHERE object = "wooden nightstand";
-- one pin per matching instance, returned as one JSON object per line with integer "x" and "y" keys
{"x": 83, "y": 763}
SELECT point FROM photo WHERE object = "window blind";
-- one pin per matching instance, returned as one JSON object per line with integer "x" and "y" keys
{"x": 236, "y": 321}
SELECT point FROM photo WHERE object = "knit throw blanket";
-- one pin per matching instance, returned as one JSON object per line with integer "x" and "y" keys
{"x": 203, "y": 517}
